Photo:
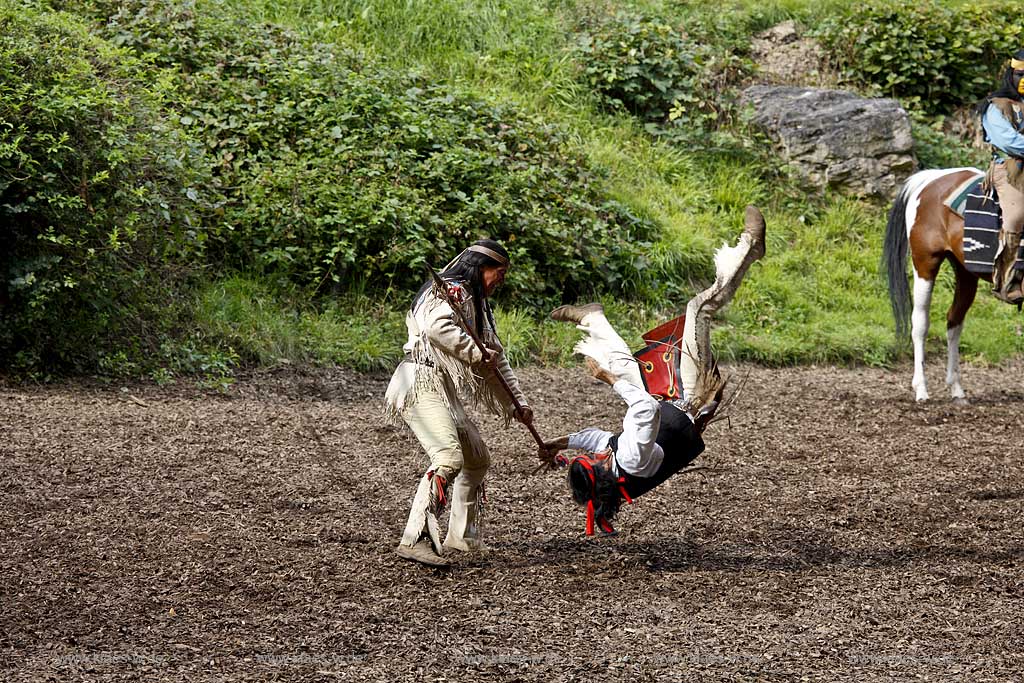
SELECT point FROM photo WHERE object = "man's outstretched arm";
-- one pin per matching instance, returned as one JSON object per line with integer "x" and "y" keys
{"x": 552, "y": 448}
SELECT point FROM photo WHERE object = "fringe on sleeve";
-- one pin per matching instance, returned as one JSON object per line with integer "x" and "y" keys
{"x": 435, "y": 370}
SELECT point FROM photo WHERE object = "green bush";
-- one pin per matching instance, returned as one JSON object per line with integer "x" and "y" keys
{"x": 667, "y": 77}
{"x": 929, "y": 55}
{"x": 97, "y": 195}
{"x": 937, "y": 149}
{"x": 332, "y": 170}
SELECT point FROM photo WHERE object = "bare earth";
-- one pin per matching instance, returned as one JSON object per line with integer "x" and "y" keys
{"x": 839, "y": 531}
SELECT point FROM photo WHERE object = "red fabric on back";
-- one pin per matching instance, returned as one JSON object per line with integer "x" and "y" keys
{"x": 659, "y": 360}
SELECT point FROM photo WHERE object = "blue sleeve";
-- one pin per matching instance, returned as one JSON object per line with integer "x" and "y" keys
{"x": 1001, "y": 132}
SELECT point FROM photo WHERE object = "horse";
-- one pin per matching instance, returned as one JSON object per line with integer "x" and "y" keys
{"x": 922, "y": 226}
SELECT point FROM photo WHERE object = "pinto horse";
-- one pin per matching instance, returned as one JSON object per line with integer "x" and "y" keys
{"x": 922, "y": 224}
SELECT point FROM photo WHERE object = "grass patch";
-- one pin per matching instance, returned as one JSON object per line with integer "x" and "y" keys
{"x": 247, "y": 318}
{"x": 816, "y": 297}
{"x": 514, "y": 66}
{"x": 269, "y": 329}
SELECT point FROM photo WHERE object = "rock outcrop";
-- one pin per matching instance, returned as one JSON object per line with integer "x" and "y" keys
{"x": 786, "y": 57}
{"x": 836, "y": 139}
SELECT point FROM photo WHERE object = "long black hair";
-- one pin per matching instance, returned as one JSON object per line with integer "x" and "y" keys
{"x": 592, "y": 480}
{"x": 467, "y": 270}
{"x": 1006, "y": 88}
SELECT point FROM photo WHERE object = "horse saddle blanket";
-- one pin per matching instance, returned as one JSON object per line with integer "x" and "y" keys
{"x": 981, "y": 214}
{"x": 659, "y": 359}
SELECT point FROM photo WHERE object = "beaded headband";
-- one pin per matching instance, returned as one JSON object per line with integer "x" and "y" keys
{"x": 490, "y": 253}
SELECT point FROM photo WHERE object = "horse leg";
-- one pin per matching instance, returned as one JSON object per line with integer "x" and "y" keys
{"x": 963, "y": 297}
{"x": 919, "y": 331}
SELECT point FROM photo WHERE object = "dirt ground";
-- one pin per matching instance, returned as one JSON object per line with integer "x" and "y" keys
{"x": 839, "y": 531}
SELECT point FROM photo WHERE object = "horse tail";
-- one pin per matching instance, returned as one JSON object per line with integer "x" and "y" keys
{"x": 894, "y": 262}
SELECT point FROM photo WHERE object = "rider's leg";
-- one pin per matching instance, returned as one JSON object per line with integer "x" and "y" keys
{"x": 1011, "y": 204}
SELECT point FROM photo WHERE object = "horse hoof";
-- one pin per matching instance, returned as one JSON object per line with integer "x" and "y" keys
{"x": 960, "y": 401}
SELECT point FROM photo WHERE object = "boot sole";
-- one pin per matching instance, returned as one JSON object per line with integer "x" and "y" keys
{"x": 561, "y": 314}
{"x": 407, "y": 553}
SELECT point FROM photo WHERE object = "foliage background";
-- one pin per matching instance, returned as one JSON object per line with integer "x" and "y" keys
{"x": 190, "y": 186}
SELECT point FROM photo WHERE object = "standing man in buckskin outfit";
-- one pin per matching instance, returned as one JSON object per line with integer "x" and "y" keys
{"x": 1002, "y": 117}
{"x": 443, "y": 367}
{"x": 658, "y": 438}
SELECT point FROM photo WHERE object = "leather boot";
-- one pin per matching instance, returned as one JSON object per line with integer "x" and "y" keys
{"x": 1015, "y": 294}
{"x": 423, "y": 552}
{"x": 1009, "y": 291}
{"x": 431, "y": 496}
{"x": 575, "y": 314}
{"x": 1008, "y": 286}
{"x": 465, "y": 525}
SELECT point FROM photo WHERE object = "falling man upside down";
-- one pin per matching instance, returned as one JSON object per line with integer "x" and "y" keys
{"x": 658, "y": 437}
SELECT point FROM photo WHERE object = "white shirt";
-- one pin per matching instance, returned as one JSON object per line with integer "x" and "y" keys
{"x": 636, "y": 453}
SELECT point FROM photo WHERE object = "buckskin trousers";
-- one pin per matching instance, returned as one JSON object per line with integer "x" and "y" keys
{"x": 456, "y": 449}
{"x": 606, "y": 345}
{"x": 1011, "y": 203}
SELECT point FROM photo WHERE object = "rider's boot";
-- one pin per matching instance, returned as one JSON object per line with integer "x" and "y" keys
{"x": 1014, "y": 293}
{"x": 1007, "y": 279}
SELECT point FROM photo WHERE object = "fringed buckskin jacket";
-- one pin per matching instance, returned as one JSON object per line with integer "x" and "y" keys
{"x": 441, "y": 357}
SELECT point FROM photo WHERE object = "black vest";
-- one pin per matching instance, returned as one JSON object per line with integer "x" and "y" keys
{"x": 680, "y": 441}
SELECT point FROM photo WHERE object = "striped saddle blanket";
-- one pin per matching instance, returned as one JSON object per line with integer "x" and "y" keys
{"x": 980, "y": 211}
